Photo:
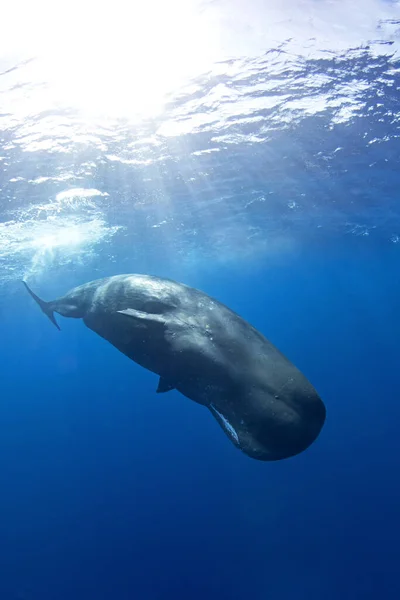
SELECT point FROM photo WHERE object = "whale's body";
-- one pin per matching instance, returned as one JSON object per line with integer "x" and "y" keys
{"x": 207, "y": 352}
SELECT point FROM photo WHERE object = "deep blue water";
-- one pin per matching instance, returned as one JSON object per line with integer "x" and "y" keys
{"x": 271, "y": 183}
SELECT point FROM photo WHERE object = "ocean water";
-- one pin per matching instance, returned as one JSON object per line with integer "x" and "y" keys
{"x": 249, "y": 149}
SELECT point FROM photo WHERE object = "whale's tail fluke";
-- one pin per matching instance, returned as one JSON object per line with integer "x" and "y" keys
{"x": 45, "y": 306}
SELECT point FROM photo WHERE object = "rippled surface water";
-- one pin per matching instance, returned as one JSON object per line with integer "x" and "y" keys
{"x": 286, "y": 136}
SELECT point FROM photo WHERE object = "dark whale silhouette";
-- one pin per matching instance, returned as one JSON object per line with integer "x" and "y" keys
{"x": 210, "y": 354}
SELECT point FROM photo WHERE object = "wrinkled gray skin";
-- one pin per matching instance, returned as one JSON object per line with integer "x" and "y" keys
{"x": 210, "y": 354}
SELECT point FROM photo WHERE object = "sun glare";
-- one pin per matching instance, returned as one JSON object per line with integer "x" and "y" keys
{"x": 119, "y": 58}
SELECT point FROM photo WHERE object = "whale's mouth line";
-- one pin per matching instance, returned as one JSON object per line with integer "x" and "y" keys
{"x": 229, "y": 429}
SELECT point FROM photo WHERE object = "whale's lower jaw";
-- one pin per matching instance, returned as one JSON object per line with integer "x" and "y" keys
{"x": 226, "y": 425}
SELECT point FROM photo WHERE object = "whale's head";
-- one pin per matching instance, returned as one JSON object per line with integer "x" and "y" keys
{"x": 269, "y": 425}
{"x": 284, "y": 424}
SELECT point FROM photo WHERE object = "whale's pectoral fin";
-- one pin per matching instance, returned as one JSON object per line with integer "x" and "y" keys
{"x": 164, "y": 386}
{"x": 139, "y": 315}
